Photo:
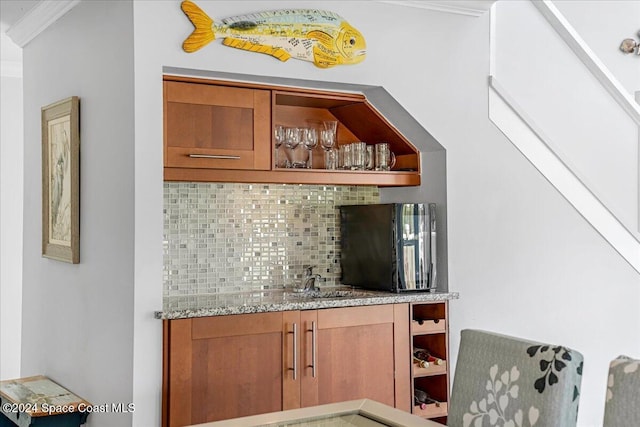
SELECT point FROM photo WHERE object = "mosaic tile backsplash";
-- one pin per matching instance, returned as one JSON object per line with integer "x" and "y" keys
{"x": 222, "y": 238}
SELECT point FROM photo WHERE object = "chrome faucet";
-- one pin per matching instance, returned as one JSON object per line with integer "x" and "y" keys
{"x": 309, "y": 279}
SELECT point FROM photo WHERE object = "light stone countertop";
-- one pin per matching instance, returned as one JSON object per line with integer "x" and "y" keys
{"x": 203, "y": 305}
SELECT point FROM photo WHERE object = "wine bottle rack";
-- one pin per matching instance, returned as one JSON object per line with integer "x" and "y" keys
{"x": 429, "y": 331}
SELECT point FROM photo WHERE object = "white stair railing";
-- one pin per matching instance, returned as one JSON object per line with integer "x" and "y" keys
{"x": 558, "y": 157}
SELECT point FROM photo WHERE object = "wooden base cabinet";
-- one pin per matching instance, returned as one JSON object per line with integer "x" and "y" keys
{"x": 357, "y": 354}
{"x": 224, "y": 367}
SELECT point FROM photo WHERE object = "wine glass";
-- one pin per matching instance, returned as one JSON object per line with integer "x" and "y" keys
{"x": 328, "y": 142}
{"x": 329, "y": 132}
{"x": 292, "y": 137}
{"x": 279, "y": 136}
{"x": 327, "y": 139}
{"x": 291, "y": 141}
{"x": 331, "y": 125}
{"x": 309, "y": 141}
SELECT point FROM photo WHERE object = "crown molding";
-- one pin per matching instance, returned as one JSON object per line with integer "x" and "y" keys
{"x": 459, "y": 7}
{"x": 38, "y": 19}
{"x": 11, "y": 69}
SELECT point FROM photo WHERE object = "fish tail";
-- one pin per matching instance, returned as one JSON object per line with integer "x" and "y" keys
{"x": 203, "y": 33}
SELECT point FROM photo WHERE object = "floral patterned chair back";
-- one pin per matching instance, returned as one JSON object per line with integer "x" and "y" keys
{"x": 622, "y": 408}
{"x": 510, "y": 382}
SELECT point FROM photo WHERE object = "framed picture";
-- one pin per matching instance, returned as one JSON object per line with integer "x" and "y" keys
{"x": 61, "y": 180}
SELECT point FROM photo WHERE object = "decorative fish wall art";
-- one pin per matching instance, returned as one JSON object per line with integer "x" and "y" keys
{"x": 322, "y": 37}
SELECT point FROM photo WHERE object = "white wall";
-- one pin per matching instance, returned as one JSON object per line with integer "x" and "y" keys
{"x": 568, "y": 260}
{"x": 603, "y": 25}
{"x": 524, "y": 262}
{"x": 586, "y": 128}
{"x": 78, "y": 319}
{"x": 10, "y": 218}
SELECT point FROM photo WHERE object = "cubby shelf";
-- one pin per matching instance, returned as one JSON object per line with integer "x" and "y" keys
{"x": 432, "y": 410}
{"x": 429, "y": 330}
{"x": 431, "y": 370}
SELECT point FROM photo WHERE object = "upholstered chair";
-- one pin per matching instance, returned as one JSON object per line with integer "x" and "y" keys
{"x": 622, "y": 408}
{"x": 510, "y": 382}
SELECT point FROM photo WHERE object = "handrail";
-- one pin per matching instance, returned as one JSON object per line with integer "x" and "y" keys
{"x": 588, "y": 58}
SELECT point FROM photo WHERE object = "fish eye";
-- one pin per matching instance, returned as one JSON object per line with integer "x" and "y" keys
{"x": 352, "y": 41}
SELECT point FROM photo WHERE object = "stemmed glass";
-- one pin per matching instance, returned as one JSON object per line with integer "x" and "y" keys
{"x": 291, "y": 141}
{"x": 279, "y": 137}
{"x": 309, "y": 141}
{"x": 292, "y": 137}
{"x": 328, "y": 142}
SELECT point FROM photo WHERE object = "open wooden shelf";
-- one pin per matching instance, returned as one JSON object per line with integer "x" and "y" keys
{"x": 428, "y": 326}
{"x": 431, "y": 370}
{"x": 432, "y": 410}
{"x": 429, "y": 330}
{"x": 294, "y": 176}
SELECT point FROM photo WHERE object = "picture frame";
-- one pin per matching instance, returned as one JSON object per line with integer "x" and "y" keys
{"x": 61, "y": 180}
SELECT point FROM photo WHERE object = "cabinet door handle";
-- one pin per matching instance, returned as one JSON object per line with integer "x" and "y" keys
{"x": 214, "y": 156}
{"x": 314, "y": 348}
{"x": 295, "y": 351}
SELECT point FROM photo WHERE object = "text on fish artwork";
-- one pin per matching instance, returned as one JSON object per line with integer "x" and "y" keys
{"x": 321, "y": 36}
{"x": 243, "y": 25}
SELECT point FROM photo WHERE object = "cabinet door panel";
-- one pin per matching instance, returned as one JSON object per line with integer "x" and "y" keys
{"x": 356, "y": 362}
{"x": 178, "y": 364}
{"x": 218, "y": 127}
{"x": 223, "y": 367}
{"x": 245, "y": 378}
{"x": 209, "y": 127}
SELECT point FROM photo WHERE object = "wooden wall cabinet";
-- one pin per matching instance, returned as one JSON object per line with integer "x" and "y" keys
{"x": 225, "y": 367}
{"x": 216, "y": 127}
{"x": 221, "y": 131}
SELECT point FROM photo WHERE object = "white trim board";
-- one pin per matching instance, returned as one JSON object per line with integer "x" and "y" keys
{"x": 638, "y": 102}
{"x": 11, "y": 69}
{"x": 38, "y": 19}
